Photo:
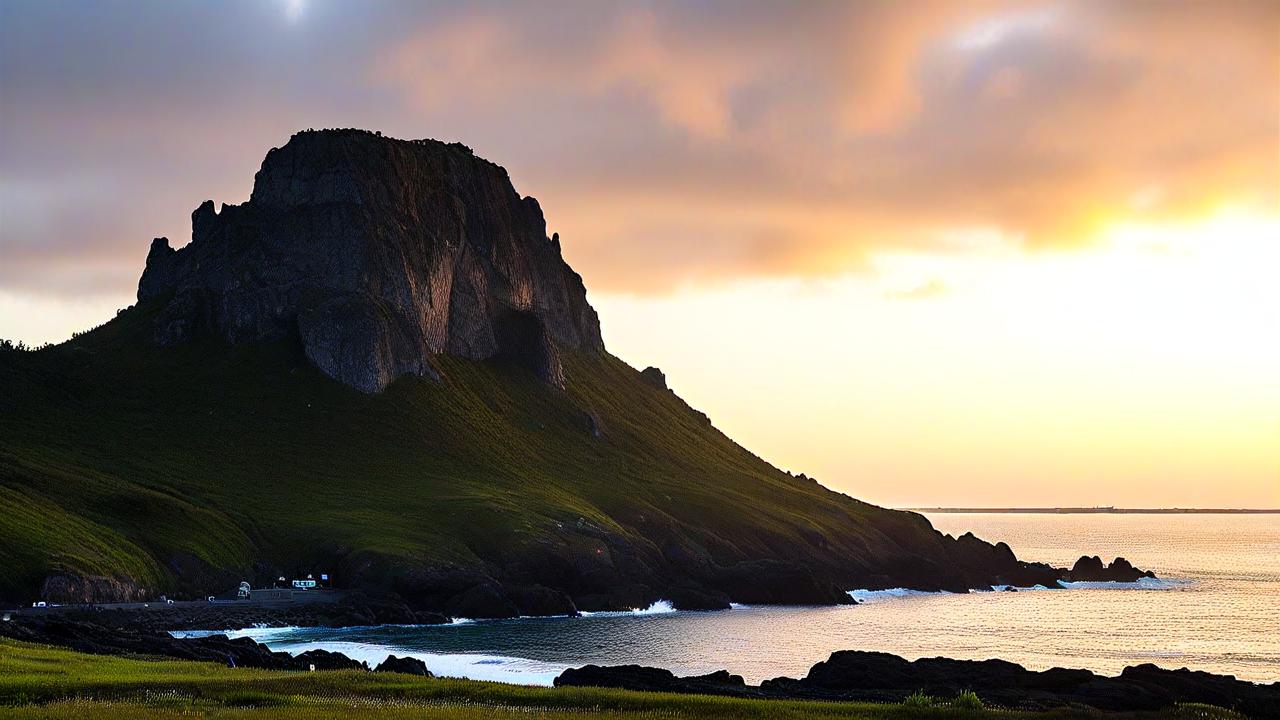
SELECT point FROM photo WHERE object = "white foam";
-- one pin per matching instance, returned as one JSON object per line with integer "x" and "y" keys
{"x": 1142, "y": 584}
{"x": 472, "y": 666}
{"x": 659, "y": 607}
{"x": 863, "y": 596}
{"x": 260, "y": 634}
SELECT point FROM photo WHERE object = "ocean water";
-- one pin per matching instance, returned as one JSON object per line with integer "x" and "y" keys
{"x": 1216, "y": 607}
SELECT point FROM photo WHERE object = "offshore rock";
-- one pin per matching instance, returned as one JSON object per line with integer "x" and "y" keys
{"x": 376, "y": 254}
{"x": 1090, "y": 568}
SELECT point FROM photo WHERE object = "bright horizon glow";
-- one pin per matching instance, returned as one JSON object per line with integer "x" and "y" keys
{"x": 1139, "y": 373}
{"x": 967, "y": 253}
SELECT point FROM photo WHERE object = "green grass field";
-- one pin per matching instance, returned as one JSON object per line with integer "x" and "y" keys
{"x": 42, "y": 682}
{"x": 184, "y": 469}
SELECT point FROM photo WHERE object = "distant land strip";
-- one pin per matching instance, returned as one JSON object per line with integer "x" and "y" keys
{"x": 1105, "y": 510}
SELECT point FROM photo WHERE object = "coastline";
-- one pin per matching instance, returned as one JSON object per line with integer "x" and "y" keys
{"x": 263, "y": 632}
{"x": 37, "y": 681}
{"x": 373, "y": 643}
{"x": 1094, "y": 511}
{"x": 850, "y": 675}
{"x": 845, "y": 676}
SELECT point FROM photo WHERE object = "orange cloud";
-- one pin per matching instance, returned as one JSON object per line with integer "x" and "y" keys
{"x": 681, "y": 144}
{"x": 841, "y": 131}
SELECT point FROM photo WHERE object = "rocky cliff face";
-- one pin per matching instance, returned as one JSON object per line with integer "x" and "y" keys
{"x": 376, "y": 253}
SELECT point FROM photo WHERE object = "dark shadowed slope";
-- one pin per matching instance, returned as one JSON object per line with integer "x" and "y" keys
{"x": 192, "y": 442}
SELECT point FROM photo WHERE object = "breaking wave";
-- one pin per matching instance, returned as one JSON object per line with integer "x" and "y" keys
{"x": 864, "y": 596}
{"x": 472, "y": 666}
{"x": 659, "y": 607}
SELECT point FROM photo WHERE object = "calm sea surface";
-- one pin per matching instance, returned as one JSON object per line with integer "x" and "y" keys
{"x": 1216, "y": 608}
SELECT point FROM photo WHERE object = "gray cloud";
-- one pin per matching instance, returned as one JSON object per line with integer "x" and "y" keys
{"x": 670, "y": 143}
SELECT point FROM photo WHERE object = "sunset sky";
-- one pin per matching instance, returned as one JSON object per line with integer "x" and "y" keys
{"x": 929, "y": 253}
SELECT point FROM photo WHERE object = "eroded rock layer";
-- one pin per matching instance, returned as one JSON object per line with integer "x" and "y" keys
{"x": 377, "y": 253}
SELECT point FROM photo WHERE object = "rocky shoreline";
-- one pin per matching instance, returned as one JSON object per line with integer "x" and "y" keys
{"x": 490, "y": 601}
{"x": 846, "y": 675}
{"x": 439, "y": 598}
{"x": 481, "y": 602}
{"x": 149, "y": 625}
{"x": 881, "y": 677}
{"x": 360, "y": 259}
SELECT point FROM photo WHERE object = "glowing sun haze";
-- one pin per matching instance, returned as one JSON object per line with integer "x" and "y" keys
{"x": 930, "y": 253}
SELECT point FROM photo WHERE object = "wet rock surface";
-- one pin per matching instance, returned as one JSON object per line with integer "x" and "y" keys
{"x": 376, "y": 253}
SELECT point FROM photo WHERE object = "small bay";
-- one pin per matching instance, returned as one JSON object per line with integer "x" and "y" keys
{"x": 1216, "y": 607}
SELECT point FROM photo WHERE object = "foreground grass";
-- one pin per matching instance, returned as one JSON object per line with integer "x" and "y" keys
{"x": 38, "y": 681}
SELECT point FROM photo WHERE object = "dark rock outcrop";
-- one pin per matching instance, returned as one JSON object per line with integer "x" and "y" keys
{"x": 693, "y": 599}
{"x": 977, "y": 558}
{"x": 63, "y": 588}
{"x": 98, "y": 639}
{"x": 648, "y": 679}
{"x": 326, "y": 660}
{"x": 404, "y": 666}
{"x": 355, "y": 609}
{"x": 483, "y": 601}
{"x": 773, "y": 582}
{"x": 377, "y": 254}
{"x": 536, "y": 600}
{"x": 654, "y": 377}
{"x": 1090, "y": 568}
{"x": 880, "y": 677}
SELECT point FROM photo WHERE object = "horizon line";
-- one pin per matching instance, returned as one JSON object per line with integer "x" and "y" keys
{"x": 1099, "y": 510}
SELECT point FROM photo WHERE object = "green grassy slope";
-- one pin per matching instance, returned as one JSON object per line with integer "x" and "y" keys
{"x": 189, "y": 467}
{"x": 42, "y": 682}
